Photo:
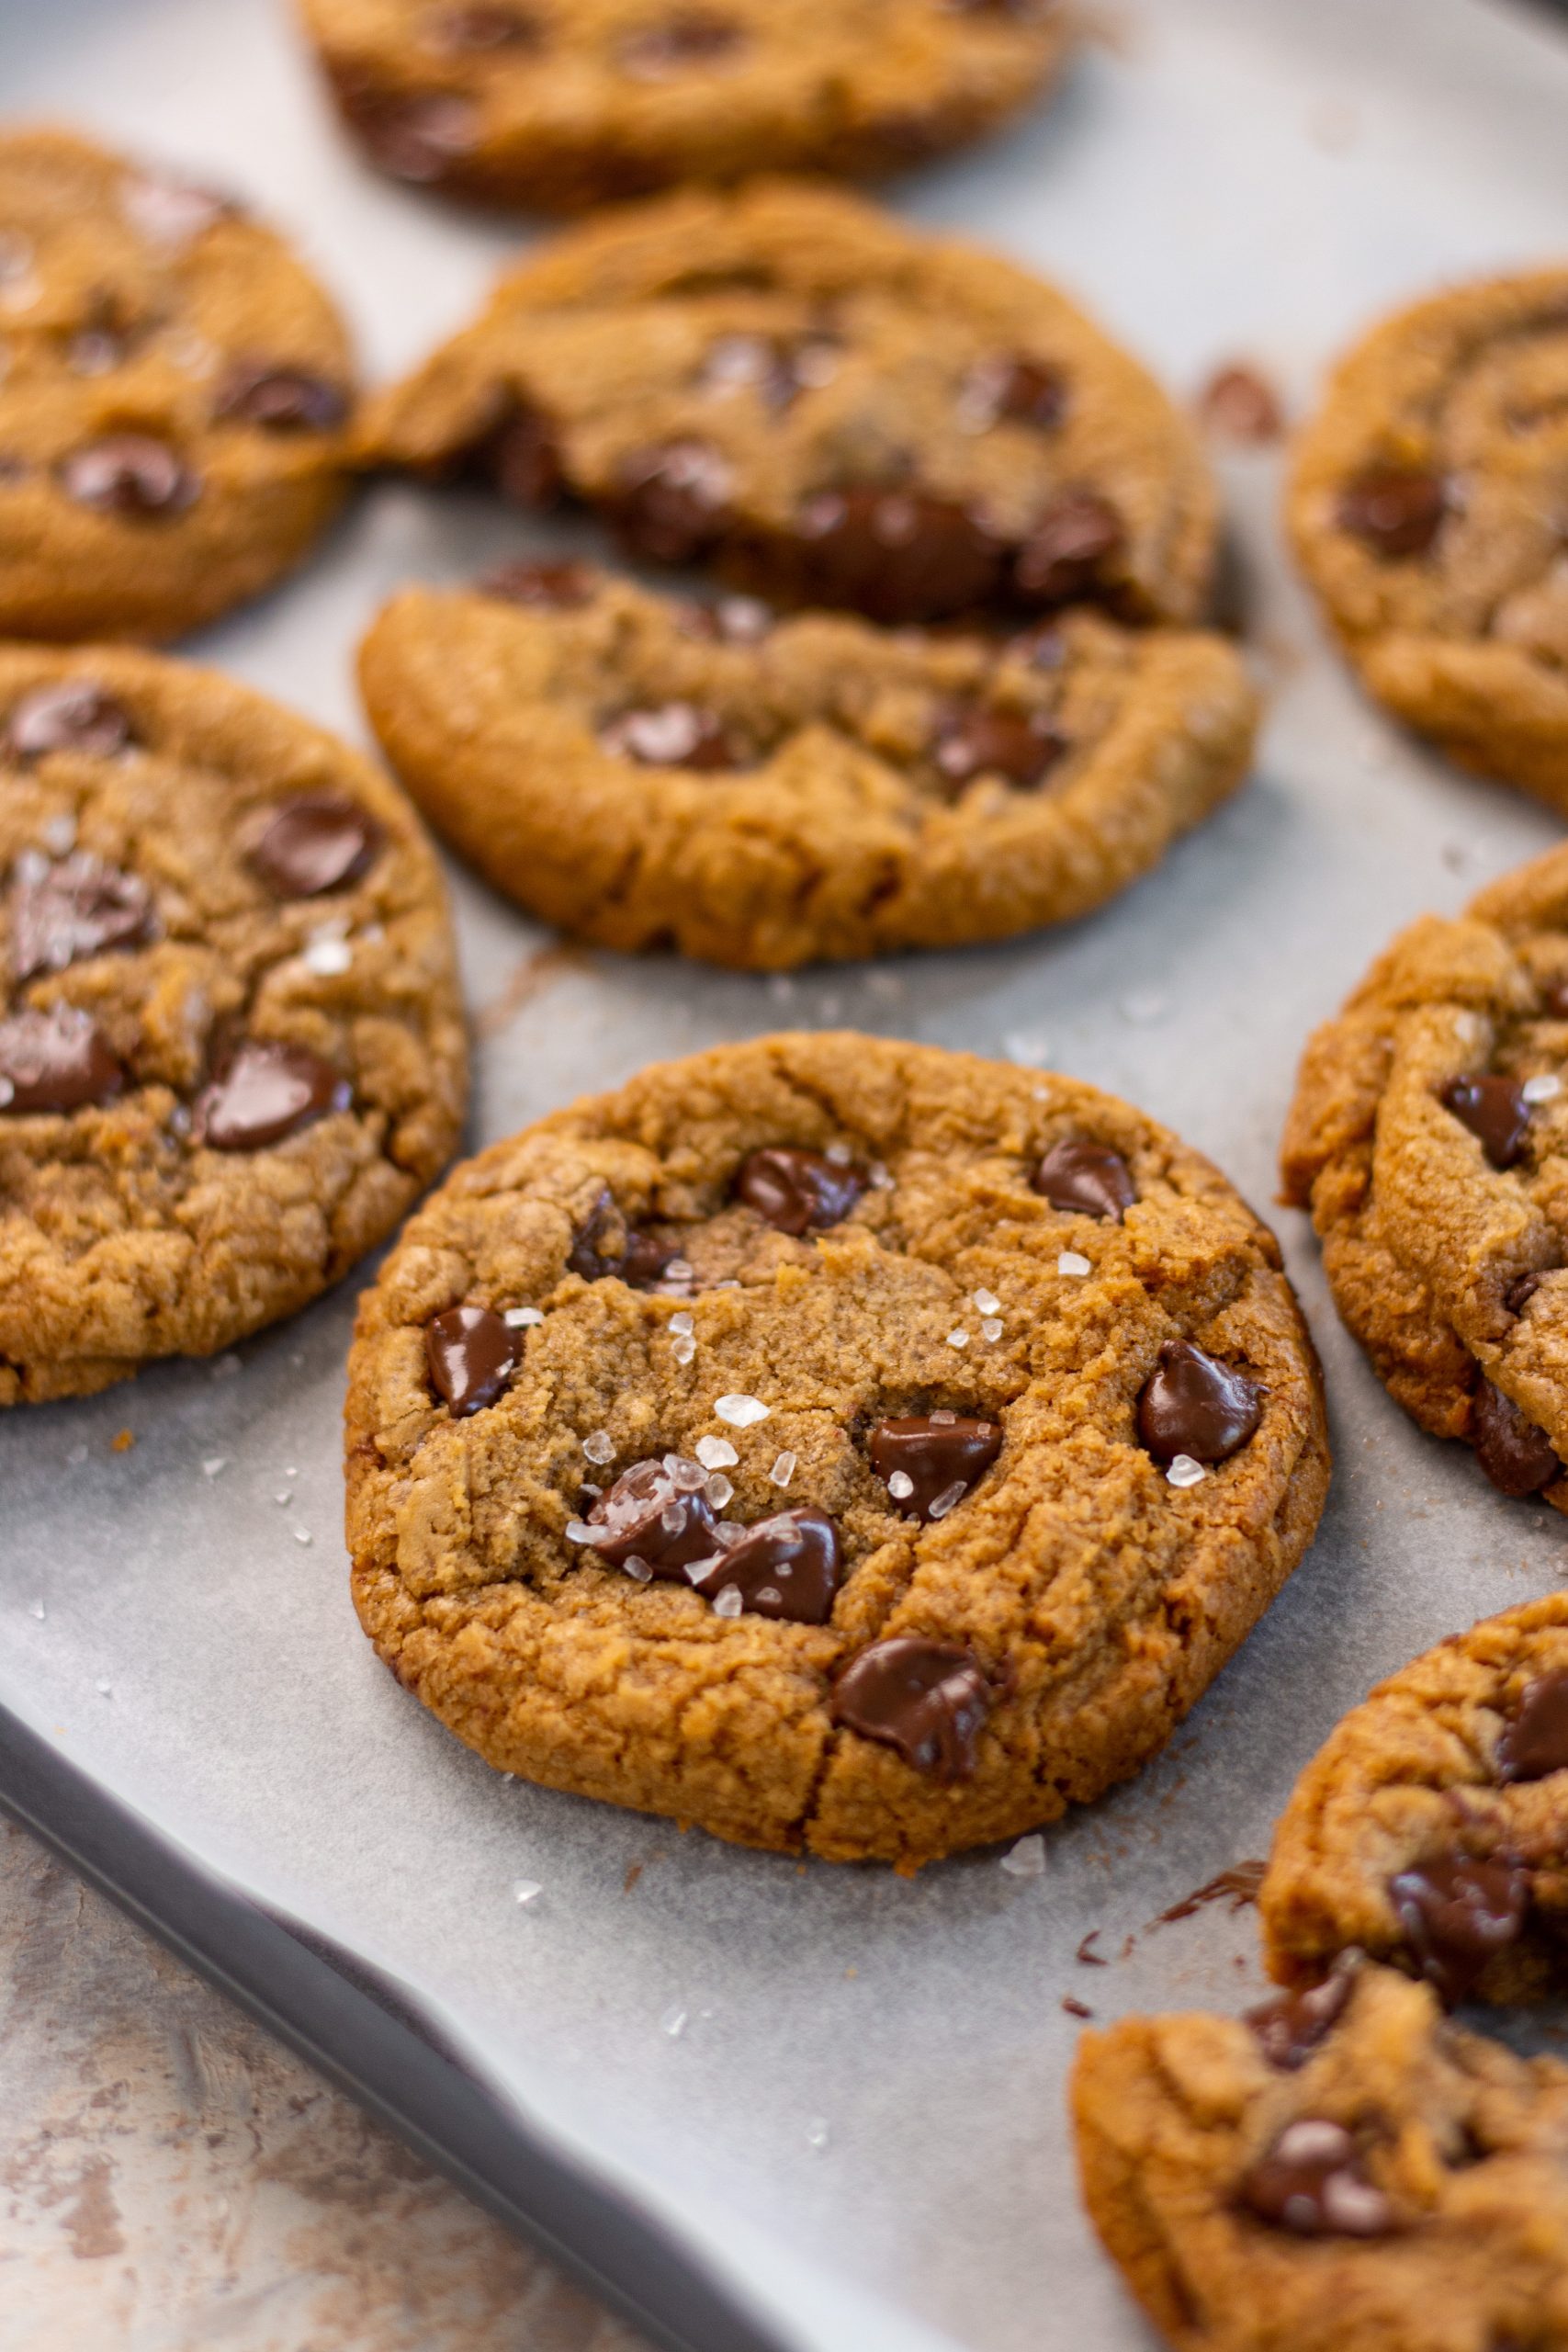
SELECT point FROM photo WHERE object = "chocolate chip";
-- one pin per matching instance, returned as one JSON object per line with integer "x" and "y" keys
{"x": 279, "y": 400}
{"x": 733, "y": 620}
{"x": 471, "y": 1353}
{"x": 264, "y": 1093}
{"x": 797, "y": 1191}
{"x": 75, "y": 906}
{"x": 671, "y": 501}
{"x": 1494, "y": 1110}
{"x": 72, "y": 716}
{"x": 1555, "y": 999}
{"x": 57, "y": 1061}
{"x": 1238, "y": 403}
{"x": 1311, "y": 2182}
{"x": 787, "y": 1567}
{"x": 1457, "y": 1916}
{"x": 1019, "y": 390}
{"x": 1397, "y": 511}
{"x": 1520, "y": 1292}
{"x": 675, "y": 735}
{"x": 542, "y": 587}
{"x": 657, "y": 1513}
{"x": 976, "y": 743}
{"x": 1517, "y": 1455}
{"x": 416, "y": 139}
{"x": 898, "y": 555}
{"x": 930, "y": 1460}
{"x": 1072, "y": 551}
{"x": 478, "y": 28}
{"x": 1291, "y": 2026}
{"x": 1195, "y": 1406}
{"x": 1086, "y": 1180}
{"x": 129, "y": 474}
{"x": 928, "y": 1699}
{"x": 1536, "y": 1743}
{"x": 519, "y": 453}
{"x": 777, "y": 369}
{"x": 689, "y": 39}
{"x": 316, "y": 842}
{"x": 607, "y": 1245}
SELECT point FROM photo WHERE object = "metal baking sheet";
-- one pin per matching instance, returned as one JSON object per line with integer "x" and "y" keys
{"x": 837, "y": 2092}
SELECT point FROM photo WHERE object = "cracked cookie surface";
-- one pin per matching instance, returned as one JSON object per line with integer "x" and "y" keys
{"x": 1427, "y": 511}
{"x": 566, "y": 104}
{"x": 1429, "y": 1138}
{"x": 174, "y": 390}
{"x": 1376, "y": 2180}
{"x": 646, "y": 773}
{"x": 1032, "y": 1357}
{"x": 830, "y": 406}
{"x": 232, "y": 1047}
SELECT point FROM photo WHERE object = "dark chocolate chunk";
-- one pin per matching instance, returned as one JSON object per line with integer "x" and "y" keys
{"x": 1072, "y": 551}
{"x": 472, "y": 1353}
{"x": 977, "y": 742}
{"x": 1397, "y": 511}
{"x": 1311, "y": 2182}
{"x": 519, "y": 453}
{"x": 1290, "y": 2028}
{"x": 675, "y": 735}
{"x": 1195, "y": 1406}
{"x": 129, "y": 474}
{"x": 264, "y": 1093}
{"x": 58, "y": 1060}
{"x": 1014, "y": 390}
{"x": 687, "y": 39}
{"x": 788, "y": 1567}
{"x": 671, "y": 502}
{"x": 607, "y": 1245}
{"x": 278, "y": 399}
{"x": 1458, "y": 1915}
{"x": 928, "y": 1699}
{"x": 1520, "y": 1292}
{"x": 1517, "y": 1455}
{"x": 416, "y": 139}
{"x": 897, "y": 555}
{"x": 657, "y": 1513}
{"x": 542, "y": 587}
{"x": 74, "y": 716}
{"x": 316, "y": 842}
{"x": 773, "y": 366}
{"x": 1494, "y": 1110}
{"x": 1536, "y": 1743}
{"x": 1086, "y": 1179}
{"x": 930, "y": 1460}
{"x": 480, "y": 28}
{"x": 797, "y": 1191}
{"x": 72, "y": 907}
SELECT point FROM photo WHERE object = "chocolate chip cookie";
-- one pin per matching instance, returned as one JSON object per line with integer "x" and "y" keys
{"x": 1358, "y": 2176}
{"x": 1432, "y": 1829}
{"x": 231, "y": 1050}
{"x": 174, "y": 390}
{"x": 843, "y": 1446}
{"x": 832, "y": 407}
{"x": 1428, "y": 1137}
{"x": 648, "y": 773}
{"x": 1428, "y": 510}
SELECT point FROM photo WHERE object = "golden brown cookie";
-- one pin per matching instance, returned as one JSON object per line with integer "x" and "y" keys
{"x": 1432, "y": 1828}
{"x": 845, "y": 1446}
{"x": 1428, "y": 510}
{"x": 648, "y": 773}
{"x": 833, "y": 407}
{"x": 1349, "y": 2174}
{"x": 1429, "y": 1138}
{"x": 175, "y": 389}
{"x": 231, "y": 1050}
{"x": 564, "y": 104}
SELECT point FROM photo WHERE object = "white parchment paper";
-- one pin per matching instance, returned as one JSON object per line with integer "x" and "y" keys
{"x": 861, "y": 2119}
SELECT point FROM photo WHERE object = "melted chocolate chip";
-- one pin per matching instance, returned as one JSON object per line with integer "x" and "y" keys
{"x": 73, "y": 717}
{"x": 1494, "y": 1110}
{"x": 608, "y": 1246}
{"x": 928, "y": 1699}
{"x": 1086, "y": 1179}
{"x": 471, "y": 1353}
{"x": 775, "y": 368}
{"x": 265, "y": 1093}
{"x": 1072, "y": 551}
{"x": 658, "y": 1513}
{"x": 1241, "y": 405}
{"x": 676, "y": 735}
{"x": 1517, "y": 1455}
{"x": 76, "y": 907}
{"x": 797, "y": 1191}
{"x": 788, "y": 1567}
{"x": 1311, "y": 2182}
{"x": 279, "y": 400}
{"x": 521, "y": 455}
{"x": 979, "y": 742}
{"x": 57, "y": 1061}
{"x": 1195, "y": 1406}
{"x": 1019, "y": 390}
{"x": 1397, "y": 511}
{"x": 129, "y": 474}
{"x": 481, "y": 28}
{"x": 684, "y": 42}
{"x": 898, "y": 555}
{"x": 416, "y": 139}
{"x": 1536, "y": 1743}
{"x": 934, "y": 1455}
{"x": 1291, "y": 2026}
{"x": 1520, "y": 1292}
{"x": 316, "y": 842}
{"x": 542, "y": 587}
{"x": 671, "y": 502}
{"x": 1457, "y": 1916}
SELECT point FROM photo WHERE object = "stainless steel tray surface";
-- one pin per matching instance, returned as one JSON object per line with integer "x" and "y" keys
{"x": 841, "y": 2091}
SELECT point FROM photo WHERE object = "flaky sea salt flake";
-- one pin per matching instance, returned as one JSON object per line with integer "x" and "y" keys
{"x": 949, "y": 1498}
{"x": 1541, "y": 1089}
{"x": 599, "y": 1446}
{"x": 1073, "y": 1262}
{"x": 1026, "y": 1860}
{"x": 716, "y": 1453}
{"x": 958, "y": 1339}
{"x": 728, "y": 1603}
{"x": 817, "y": 2133}
{"x": 526, "y": 1890}
{"x": 215, "y": 1465}
{"x": 900, "y": 1486}
{"x": 986, "y": 1303}
{"x": 991, "y": 1330}
{"x": 579, "y": 1532}
{"x": 300, "y": 1534}
{"x": 683, "y": 1326}
{"x": 683, "y": 1346}
{"x": 782, "y": 1470}
{"x": 523, "y": 1319}
{"x": 719, "y": 1490}
{"x": 673, "y": 2022}
{"x": 742, "y": 1412}
{"x": 1185, "y": 1472}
